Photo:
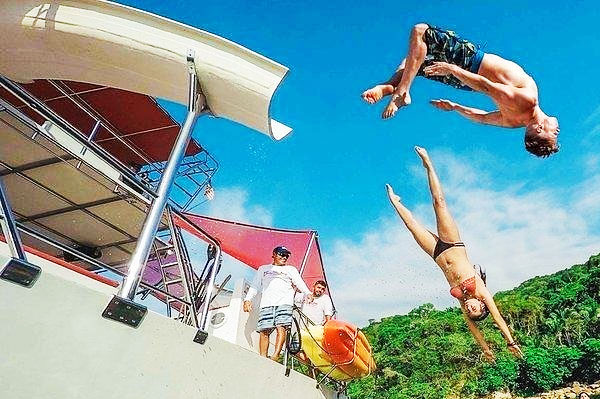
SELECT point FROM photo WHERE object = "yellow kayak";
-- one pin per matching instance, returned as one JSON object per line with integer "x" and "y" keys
{"x": 323, "y": 344}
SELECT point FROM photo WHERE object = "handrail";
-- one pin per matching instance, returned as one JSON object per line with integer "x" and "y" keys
{"x": 63, "y": 263}
{"x": 213, "y": 271}
{"x": 104, "y": 125}
{"x": 129, "y": 285}
{"x": 184, "y": 267}
{"x": 92, "y": 261}
{"x": 44, "y": 111}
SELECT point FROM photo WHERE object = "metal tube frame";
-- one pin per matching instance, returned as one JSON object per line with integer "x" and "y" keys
{"x": 99, "y": 123}
{"x": 41, "y": 108}
{"x": 305, "y": 259}
{"x": 92, "y": 261}
{"x": 210, "y": 288}
{"x": 142, "y": 250}
{"x": 17, "y": 269}
{"x": 153, "y": 166}
{"x": 12, "y": 235}
{"x": 213, "y": 272}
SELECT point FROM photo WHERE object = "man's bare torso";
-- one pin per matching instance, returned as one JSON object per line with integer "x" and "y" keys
{"x": 518, "y": 111}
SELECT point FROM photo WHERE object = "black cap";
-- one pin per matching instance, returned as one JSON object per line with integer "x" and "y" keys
{"x": 281, "y": 250}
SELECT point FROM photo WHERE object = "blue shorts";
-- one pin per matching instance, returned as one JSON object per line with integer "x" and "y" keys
{"x": 270, "y": 317}
{"x": 447, "y": 46}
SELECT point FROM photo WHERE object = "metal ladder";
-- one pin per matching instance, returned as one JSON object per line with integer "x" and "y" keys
{"x": 188, "y": 314}
{"x": 168, "y": 277}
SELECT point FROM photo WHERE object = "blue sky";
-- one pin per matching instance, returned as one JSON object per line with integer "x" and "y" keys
{"x": 520, "y": 215}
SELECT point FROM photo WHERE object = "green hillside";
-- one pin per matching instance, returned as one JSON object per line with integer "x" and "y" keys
{"x": 429, "y": 353}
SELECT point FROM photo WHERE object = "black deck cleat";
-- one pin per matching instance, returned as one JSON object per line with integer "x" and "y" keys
{"x": 20, "y": 272}
{"x": 125, "y": 311}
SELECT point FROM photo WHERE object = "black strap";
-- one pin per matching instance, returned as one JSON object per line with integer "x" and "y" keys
{"x": 441, "y": 246}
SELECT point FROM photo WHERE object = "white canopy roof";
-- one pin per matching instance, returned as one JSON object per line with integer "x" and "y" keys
{"x": 104, "y": 43}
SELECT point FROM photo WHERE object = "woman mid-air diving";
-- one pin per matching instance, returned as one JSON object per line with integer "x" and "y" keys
{"x": 448, "y": 251}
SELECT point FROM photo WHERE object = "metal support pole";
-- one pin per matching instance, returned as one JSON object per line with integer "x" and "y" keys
{"x": 15, "y": 269}
{"x": 144, "y": 244}
{"x": 142, "y": 249}
{"x": 305, "y": 259}
{"x": 140, "y": 255}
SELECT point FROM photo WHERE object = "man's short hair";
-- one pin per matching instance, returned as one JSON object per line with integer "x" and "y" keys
{"x": 538, "y": 146}
{"x": 320, "y": 282}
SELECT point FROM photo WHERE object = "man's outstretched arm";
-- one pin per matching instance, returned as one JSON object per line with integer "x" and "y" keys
{"x": 474, "y": 114}
{"x": 499, "y": 91}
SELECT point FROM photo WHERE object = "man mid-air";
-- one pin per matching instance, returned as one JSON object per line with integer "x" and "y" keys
{"x": 443, "y": 56}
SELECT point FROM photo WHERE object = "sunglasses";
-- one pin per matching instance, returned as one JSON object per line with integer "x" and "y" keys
{"x": 283, "y": 254}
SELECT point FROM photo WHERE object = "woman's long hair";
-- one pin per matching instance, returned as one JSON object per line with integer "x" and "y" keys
{"x": 480, "y": 270}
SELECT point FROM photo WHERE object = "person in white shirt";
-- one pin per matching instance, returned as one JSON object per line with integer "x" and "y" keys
{"x": 277, "y": 282}
{"x": 320, "y": 309}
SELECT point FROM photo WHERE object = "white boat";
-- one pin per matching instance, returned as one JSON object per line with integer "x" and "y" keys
{"x": 89, "y": 162}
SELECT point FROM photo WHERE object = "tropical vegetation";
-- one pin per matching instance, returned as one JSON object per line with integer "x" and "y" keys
{"x": 429, "y": 353}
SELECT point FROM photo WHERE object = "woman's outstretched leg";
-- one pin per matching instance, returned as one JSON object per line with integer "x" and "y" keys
{"x": 423, "y": 237}
{"x": 446, "y": 226}
{"x": 386, "y": 88}
{"x": 417, "y": 50}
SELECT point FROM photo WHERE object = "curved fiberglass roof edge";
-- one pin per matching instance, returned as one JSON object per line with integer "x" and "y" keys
{"x": 108, "y": 44}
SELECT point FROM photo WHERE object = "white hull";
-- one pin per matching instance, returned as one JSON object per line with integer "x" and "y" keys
{"x": 55, "y": 344}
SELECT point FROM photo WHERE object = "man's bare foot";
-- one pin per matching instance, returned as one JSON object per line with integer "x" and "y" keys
{"x": 376, "y": 93}
{"x": 397, "y": 101}
{"x": 422, "y": 152}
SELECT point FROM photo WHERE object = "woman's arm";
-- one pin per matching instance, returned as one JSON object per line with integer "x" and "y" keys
{"x": 487, "y": 352}
{"x": 487, "y": 298}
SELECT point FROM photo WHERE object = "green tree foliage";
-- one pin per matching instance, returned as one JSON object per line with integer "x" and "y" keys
{"x": 544, "y": 369}
{"x": 589, "y": 366}
{"x": 429, "y": 353}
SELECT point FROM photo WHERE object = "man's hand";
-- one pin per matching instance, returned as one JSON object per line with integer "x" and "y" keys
{"x": 247, "y": 306}
{"x": 516, "y": 351}
{"x": 444, "y": 105}
{"x": 439, "y": 69}
{"x": 309, "y": 298}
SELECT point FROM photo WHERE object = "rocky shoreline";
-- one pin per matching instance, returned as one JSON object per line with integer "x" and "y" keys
{"x": 571, "y": 392}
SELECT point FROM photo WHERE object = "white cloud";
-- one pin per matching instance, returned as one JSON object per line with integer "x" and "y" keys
{"x": 592, "y": 125}
{"x": 231, "y": 203}
{"x": 587, "y": 199}
{"x": 592, "y": 162}
{"x": 516, "y": 235}
{"x": 593, "y": 117}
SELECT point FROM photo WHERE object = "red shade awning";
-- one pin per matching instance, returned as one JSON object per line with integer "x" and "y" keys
{"x": 136, "y": 118}
{"x": 253, "y": 245}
